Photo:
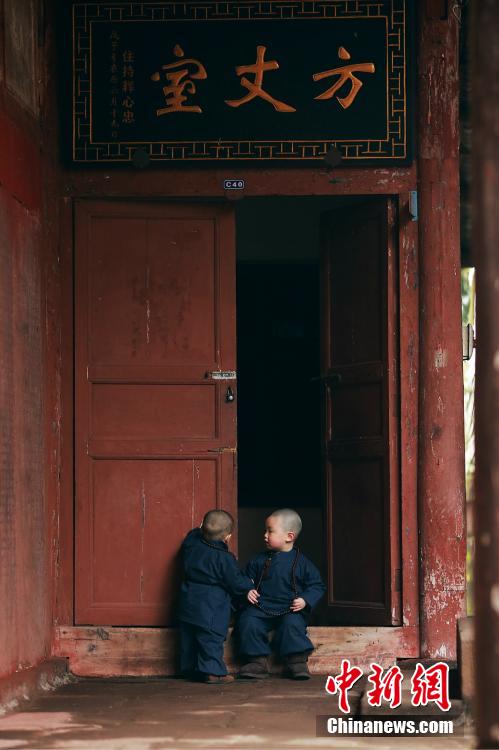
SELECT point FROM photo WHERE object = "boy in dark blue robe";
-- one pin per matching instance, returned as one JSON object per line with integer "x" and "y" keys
{"x": 287, "y": 586}
{"x": 211, "y": 577}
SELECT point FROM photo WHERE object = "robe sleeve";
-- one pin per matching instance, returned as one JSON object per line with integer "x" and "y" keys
{"x": 312, "y": 585}
{"x": 236, "y": 582}
{"x": 253, "y": 570}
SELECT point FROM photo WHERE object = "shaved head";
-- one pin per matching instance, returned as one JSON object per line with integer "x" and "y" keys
{"x": 217, "y": 525}
{"x": 289, "y": 519}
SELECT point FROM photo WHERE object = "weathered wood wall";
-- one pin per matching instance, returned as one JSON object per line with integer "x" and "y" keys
{"x": 441, "y": 443}
{"x": 25, "y": 611}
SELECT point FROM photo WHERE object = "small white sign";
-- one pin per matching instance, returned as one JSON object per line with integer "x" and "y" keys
{"x": 222, "y": 375}
{"x": 233, "y": 184}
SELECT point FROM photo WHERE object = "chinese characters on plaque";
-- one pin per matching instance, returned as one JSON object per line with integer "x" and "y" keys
{"x": 121, "y": 85}
{"x": 180, "y": 84}
{"x": 186, "y": 82}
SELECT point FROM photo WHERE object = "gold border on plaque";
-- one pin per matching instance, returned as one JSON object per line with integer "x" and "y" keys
{"x": 287, "y": 150}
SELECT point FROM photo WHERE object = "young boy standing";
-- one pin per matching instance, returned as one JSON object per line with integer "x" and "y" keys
{"x": 287, "y": 585}
{"x": 211, "y": 577}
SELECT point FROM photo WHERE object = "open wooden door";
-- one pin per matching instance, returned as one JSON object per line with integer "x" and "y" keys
{"x": 155, "y": 434}
{"x": 360, "y": 441}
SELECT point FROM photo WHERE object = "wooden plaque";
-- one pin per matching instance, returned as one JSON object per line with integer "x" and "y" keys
{"x": 242, "y": 81}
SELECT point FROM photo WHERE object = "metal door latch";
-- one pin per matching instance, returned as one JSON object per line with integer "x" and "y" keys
{"x": 229, "y": 395}
{"x": 222, "y": 375}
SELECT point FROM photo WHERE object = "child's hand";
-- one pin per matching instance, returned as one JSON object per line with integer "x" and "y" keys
{"x": 298, "y": 604}
{"x": 253, "y": 596}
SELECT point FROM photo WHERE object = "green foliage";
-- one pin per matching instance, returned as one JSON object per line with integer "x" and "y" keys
{"x": 468, "y": 297}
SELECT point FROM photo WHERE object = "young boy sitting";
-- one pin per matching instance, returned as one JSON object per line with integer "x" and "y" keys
{"x": 287, "y": 585}
{"x": 211, "y": 577}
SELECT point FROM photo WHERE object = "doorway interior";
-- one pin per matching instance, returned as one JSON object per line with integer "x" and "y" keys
{"x": 278, "y": 248}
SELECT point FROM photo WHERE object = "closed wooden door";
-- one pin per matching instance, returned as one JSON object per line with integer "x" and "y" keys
{"x": 360, "y": 438}
{"x": 155, "y": 435}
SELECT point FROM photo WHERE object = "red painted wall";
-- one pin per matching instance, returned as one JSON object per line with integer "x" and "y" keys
{"x": 25, "y": 610}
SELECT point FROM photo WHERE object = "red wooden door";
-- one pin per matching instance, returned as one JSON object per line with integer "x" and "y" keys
{"x": 360, "y": 442}
{"x": 155, "y": 436}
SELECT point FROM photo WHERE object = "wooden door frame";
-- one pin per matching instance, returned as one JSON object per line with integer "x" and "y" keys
{"x": 95, "y": 185}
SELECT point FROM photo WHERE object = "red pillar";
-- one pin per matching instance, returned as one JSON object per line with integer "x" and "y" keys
{"x": 485, "y": 124}
{"x": 441, "y": 438}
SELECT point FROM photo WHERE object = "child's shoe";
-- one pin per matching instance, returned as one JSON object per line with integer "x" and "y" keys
{"x": 255, "y": 669}
{"x": 218, "y": 679}
{"x": 296, "y": 666}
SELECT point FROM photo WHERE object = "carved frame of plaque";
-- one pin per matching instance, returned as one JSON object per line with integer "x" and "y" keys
{"x": 394, "y": 149}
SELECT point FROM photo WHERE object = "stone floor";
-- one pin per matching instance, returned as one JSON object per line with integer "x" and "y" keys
{"x": 174, "y": 714}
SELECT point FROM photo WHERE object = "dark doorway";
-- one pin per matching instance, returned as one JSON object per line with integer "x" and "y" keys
{"x": 278, "y": 363}
{"x": 278, "y": 354}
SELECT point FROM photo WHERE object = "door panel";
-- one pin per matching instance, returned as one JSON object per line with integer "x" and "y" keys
{"x": 153, "y": 411}
{"x": 155, "y": 437}
{"x": 360, "y": 444}
{"x": 141, "y": 302}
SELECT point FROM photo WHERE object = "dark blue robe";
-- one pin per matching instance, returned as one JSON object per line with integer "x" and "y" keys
{"x": 211, "y": 577}
{"x": 276, "y": 595}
